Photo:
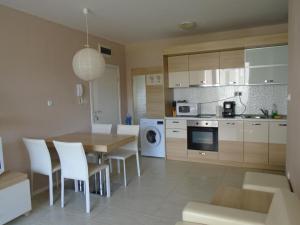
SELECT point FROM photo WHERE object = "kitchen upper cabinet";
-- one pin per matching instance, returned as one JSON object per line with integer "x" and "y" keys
{"x": 178, "y": 69}
{"x": 232, "y": 67}
{"x": 204, "y": 69}
{"x": 277, "y": 143}
{"x": 231, "y": 141}
{"x": 256, "y": 138}
{"x": 266, "y": 65}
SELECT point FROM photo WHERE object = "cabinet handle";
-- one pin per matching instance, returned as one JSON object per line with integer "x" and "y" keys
{"x": 269, "y": 81}
{"x": 175, "y": 122}
{"x": 203, "y": 82}
{"x": 282, "y": 125}
{"x": 232, "y": 82}
{"x": 178, "y": 85}
{"x": 256, "y": 124}
{"x": 202, "y": 153}
{"x": 230, "y": 123}
{"x": 175, "y": 131}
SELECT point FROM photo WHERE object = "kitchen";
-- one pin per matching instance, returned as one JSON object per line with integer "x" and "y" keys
{"x": 236, "y": 114}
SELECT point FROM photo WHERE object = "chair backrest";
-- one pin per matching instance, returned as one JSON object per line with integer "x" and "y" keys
{"x": 102, "y": 128}
{"x": 72, "y": 160}
{"x": 39, "y": 155}
{"x": 284, "y": 209}
{"x": 129, "y": 130}
{"x": 1, "y": 157}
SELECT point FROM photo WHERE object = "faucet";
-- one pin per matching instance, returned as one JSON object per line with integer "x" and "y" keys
{"x": 265, "y": 112}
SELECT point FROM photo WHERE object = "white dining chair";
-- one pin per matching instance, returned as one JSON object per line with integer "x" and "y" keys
{"x": 101, "y": 128}
{"x": 74, "y": 166}
{"x": 41, "y": 162}
{"x": 128, "y": 150}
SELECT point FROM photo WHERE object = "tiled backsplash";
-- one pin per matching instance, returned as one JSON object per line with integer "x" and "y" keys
{"x": 254, "y": 97}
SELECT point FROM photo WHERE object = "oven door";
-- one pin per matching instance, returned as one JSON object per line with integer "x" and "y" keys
{"x": 202, "y": 138}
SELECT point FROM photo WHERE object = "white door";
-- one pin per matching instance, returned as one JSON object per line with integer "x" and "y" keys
{"x": 105, "y": 97}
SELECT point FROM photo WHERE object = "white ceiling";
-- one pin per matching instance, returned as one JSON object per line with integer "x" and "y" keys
{"x": 128, "y": 21}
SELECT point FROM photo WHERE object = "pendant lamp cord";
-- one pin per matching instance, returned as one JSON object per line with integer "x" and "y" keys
{"x": 87, "y": 30}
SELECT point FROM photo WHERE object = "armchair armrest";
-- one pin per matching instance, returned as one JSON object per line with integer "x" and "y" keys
{"x": 208, "y": 214}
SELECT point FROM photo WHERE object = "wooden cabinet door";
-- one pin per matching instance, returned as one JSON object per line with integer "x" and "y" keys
{"x": 231, "y": 141}
{"x": 256, "y": 140}
{"x": 232, "y": 59}
{"x": 204, "y": 69}
{"x": 176, "y": 144}
{"x": 277, "y": 143}
{"x": 178, "y": 71}
{"x": 232, "y": 67}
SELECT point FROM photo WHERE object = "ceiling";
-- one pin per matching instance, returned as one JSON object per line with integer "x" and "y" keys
{"x": 128, "y": 21}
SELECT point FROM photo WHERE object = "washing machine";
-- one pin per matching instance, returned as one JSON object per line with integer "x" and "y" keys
{"x": 152, "y": 137}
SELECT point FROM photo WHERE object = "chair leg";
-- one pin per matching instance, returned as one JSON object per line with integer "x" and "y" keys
{"x": 124, "y": 167}
{"x": 87, "y": 196}
{"x": 118, "y": 166}
{"x": 107, "y": 182}
{"x": 57, "y": 183}
{"x": 31, "y": 181}
{"x": 95, "y": 182}
{"x": 62, "y": 186}
{"x": 138, "y": 164}
{"x": 76, "y": 185}
{"x": 51, "y": 189}
{"x": 110, "y": 166}
{"x": 100, "y": 182}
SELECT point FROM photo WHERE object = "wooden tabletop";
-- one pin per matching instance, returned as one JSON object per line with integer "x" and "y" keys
{"x": 243, "y": 199}
{"x": 11, "y": 178}
{"x": 94, "y": 142}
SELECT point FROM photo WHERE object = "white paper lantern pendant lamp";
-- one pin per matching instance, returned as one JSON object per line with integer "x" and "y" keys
{"x": 88, "y": 63}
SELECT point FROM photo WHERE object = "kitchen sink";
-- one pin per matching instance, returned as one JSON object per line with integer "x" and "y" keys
{"x": 253, "y": 116}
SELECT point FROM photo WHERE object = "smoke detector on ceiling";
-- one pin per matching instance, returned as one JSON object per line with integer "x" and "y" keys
{"x": 187, "y": 25}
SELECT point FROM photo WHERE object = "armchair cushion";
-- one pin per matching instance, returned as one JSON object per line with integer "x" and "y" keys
{"x": 265, "y": 182}
{"x": 217, "y": 215}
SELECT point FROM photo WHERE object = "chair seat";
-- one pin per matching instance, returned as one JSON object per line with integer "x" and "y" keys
{"x": 94, "y": 168}
{"x": 121, "y": 154}
{"x": 55, "y": 166}
{"x": 265, "y": 182}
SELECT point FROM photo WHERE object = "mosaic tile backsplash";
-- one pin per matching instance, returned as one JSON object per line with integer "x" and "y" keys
{"x": 254, "y": 97}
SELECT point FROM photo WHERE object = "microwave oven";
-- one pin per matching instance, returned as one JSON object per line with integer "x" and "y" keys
{"x": 187, "y": 109}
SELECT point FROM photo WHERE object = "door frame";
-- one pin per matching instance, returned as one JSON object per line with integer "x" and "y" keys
{"x": 119, "y": 94}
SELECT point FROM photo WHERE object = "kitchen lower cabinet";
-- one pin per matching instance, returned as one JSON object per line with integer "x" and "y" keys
{"x": 176, "y": 149}
{"x": 277, "y": 143}
{"x": 198, "y": 156}
{"x": 256, "y": 153}
{"x": 277, "y": 154}
{"x": 231, "y": 151}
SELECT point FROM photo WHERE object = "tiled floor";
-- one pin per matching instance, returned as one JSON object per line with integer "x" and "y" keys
{"x": 155, "y": 198}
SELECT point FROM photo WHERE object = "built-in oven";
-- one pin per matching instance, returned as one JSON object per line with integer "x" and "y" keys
{"x": 202, "y": 135}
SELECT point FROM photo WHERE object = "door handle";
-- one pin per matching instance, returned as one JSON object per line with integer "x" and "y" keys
{"x": 282, "y": 125}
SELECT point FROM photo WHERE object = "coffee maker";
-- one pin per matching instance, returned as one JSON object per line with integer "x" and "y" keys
{"x": 229, "y": 109}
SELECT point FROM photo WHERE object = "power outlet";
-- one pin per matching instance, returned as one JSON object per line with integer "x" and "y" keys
{"x": 237, "y": 93}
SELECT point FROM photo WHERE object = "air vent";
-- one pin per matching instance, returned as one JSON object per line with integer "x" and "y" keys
{"x": 105, "y": 51}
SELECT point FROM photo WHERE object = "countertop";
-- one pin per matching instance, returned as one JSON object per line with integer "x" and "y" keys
{"x": 222, "y": 118}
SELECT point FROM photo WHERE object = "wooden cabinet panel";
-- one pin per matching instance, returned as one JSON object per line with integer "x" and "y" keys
{"x": 176, "y": 148}
{"x": 278, "y": 132}
{"x": 231, "y": 130}
{"x": 176, "y": 123}
{"x": 231, "y": 151}
{"x": 256, "y": 153}
{"x": 277, "y": 154}
{"x": 232, "y": 59}
{"x": 233, "y": 76}
{"x": 256, "y": 131}
{"x": 204, "y": 69}
{"x": 178, "y": 71}
{"x": 155, "y": 101}
{"x": 205, "y": 61}
{"x": 198, "y": 156}
{"x": 176, "y": 133}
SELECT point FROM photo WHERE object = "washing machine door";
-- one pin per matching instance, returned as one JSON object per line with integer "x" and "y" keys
{"x": 152, "y": 137}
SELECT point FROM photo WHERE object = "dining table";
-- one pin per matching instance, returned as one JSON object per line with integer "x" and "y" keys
{"x": 97, "y": 143}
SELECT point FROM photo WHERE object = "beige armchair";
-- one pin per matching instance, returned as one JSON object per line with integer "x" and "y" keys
{"x": 284, "y": 210}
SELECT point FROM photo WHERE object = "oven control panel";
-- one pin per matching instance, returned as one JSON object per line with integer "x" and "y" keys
{"x": 202, "y": 123}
